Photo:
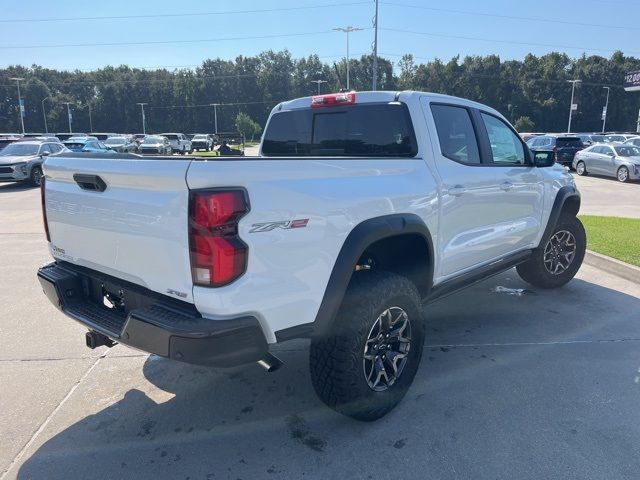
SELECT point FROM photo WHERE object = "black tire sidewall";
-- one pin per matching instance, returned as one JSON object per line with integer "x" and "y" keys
{"x": 32, "y": 176}
{"x": 533, "y": 271}
{"x": 364, "y": 303}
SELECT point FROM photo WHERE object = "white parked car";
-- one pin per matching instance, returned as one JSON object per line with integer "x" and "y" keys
{"x": 360, "y": 207}
{"x": 180, "y": 143}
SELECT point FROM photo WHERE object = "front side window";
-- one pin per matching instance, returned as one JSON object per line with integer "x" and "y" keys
{"x": 506, "y": 147}
{"x": 456, "y": 134}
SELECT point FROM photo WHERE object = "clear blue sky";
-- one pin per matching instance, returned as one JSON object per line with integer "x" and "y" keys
{"x": 463, "y": 18}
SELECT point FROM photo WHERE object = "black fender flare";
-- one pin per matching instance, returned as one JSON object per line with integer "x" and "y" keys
{"x": 359, "y": 239}
{"x": 567, "y": 196}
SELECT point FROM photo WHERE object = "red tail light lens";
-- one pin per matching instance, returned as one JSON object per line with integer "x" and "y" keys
{"x": 44, "y": 209}
{"x": 218, "y": 255}
{"x": 333, "y": 100}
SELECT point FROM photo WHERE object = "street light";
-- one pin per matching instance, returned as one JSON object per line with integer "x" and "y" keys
{"x": 20, "y": 105}
{"x": 573, "y": 88}
{"x": 319, "y": 82}
{"x": 44, "y": 115}
{"x": 606, "y": 110}
{"x": 348, "y": 29}
{"x": 90, "y": 120}
{"x": 144, "y": 127}
{"x": 68, "y": 114}
{"x": 215, "y": 116}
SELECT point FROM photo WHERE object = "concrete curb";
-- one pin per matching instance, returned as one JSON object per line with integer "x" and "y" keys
{"x": 613, "y": 266}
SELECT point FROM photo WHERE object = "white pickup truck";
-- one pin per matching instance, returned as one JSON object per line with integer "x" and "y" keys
{"x": 361, "y": 208}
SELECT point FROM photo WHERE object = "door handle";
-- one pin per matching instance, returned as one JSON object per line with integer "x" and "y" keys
{"x": 506, "y": 186}
{"x": 457, "y": 190}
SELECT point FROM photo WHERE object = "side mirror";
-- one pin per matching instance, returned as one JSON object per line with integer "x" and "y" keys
{"x": 45, "y": 154}
{"x": 544, "y": 159}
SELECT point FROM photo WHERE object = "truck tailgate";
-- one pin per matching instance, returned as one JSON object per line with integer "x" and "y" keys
{"x": 136, "y": 229}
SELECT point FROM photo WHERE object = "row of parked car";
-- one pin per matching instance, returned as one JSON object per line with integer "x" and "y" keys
{"x": 609, "y": 154}
{"x": 22, "y": 156}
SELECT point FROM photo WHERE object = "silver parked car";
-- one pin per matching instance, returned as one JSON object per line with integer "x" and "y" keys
{"x": 615, "y": 160}
{"x": 633, "y": 141}
{"x": 22, "y": 161}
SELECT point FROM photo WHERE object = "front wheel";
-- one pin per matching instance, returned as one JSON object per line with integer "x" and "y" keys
{"x": 581, "y": 168}
{"x": 623, "y": 174}
{"x": 36, "y": 176}
{"x": 557, "y": 261}
{"x": 365, "y": 364}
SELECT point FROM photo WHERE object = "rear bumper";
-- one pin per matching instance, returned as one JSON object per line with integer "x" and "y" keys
{"x": 165, "y": 327}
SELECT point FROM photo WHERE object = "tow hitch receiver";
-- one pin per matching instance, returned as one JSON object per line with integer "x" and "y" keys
{"x": 95, "y": 339}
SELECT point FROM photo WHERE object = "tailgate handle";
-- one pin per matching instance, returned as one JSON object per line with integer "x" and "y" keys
{"x": 90, "y": 182}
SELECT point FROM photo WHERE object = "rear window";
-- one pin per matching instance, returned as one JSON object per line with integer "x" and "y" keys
{"x": 372, "y": 130}
{"x": 569, "y": 142}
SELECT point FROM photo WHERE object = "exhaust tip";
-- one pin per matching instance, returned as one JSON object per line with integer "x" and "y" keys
{"x": 270, "y": 363}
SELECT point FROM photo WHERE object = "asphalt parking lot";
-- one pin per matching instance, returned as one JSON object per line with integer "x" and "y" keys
{"x": 607, "y": 196}
{"x": 543, "y": 385}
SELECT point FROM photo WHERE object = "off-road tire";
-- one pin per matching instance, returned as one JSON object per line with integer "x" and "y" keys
{"x": 535, "y": 272}
{"x": 337, "y": 359}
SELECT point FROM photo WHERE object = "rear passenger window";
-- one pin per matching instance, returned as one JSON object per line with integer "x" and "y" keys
{"x": 366, "y": 130}
{"x": 455, "y": 133}
{"x": 506, "y": 147}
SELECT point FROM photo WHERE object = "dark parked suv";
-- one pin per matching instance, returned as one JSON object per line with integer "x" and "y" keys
{"x": 564, "y": 146}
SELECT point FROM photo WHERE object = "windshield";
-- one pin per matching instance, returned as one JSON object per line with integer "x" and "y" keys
{"x": 148, "y": 140}
{"x": 74, "y": 145}
{"x": 19, "y": 150}
{"x": 171, "y": 136}
{"x": 199, "y": 137}
{"x": 615, "y": 138}
{"x": 628, "y": 151}
{"x": 598, "y": 138}
{"x": 115, "y": 141}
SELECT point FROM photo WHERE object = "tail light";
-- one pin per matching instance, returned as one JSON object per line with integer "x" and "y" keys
{"x": 44, "y": 208}
{"x": 218, "y": 255}
{"x": 333, "y": 100}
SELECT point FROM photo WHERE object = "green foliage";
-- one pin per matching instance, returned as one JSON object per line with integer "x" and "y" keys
{"x": 613, "y": 236}
{"x": 246, "y": 126}
{"x": 180, "y": 100}
{"x": 524, "y": 124}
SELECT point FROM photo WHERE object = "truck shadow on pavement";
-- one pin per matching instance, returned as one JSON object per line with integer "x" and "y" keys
{"x": 507, "y": 384}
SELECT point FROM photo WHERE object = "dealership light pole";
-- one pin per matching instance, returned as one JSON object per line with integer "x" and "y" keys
{"x": 68, "y": 114}
{"x": 571, "y": 109}
{"x": 144, "y": 127}
{"x": 606, "y": 110}
{"x": 90, "y": 120}
{"x": 318, "y": 82}
{"x": 215, "y": 116}
{"x": 44, "y": 115}
{"x": 348, "y": 29}
{"x": 20, "y": 104}
{"x": 374, "y": 83}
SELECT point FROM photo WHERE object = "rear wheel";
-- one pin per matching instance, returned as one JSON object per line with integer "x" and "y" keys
{"x": 557, "y": 261}
{"x": 623, "y": 174}
{"x": 364, "y": 366}
{"x": 581, "y": 168}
